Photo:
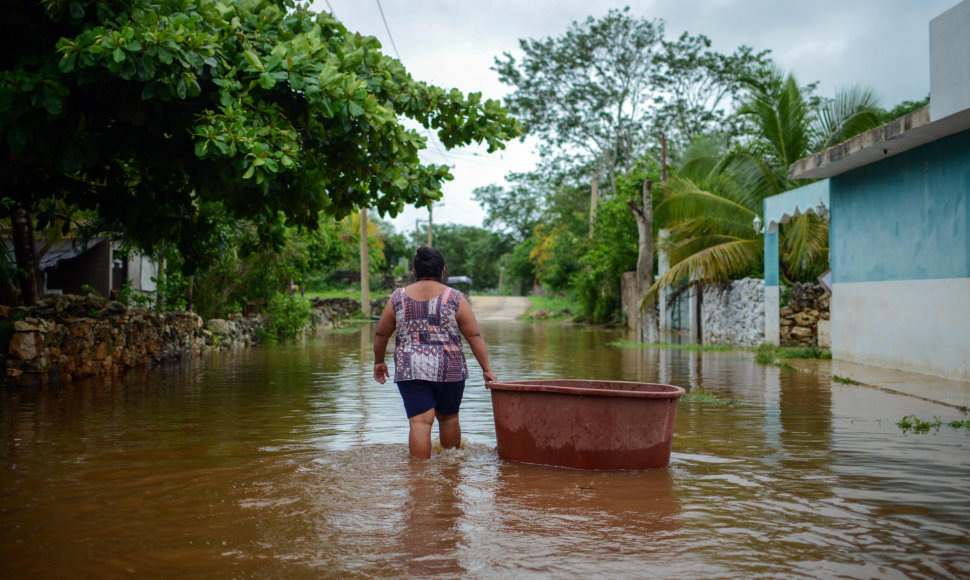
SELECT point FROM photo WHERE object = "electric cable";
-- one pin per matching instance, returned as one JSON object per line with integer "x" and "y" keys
{"x": 388, "y": 29}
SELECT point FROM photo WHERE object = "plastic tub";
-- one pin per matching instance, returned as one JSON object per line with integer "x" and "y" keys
{"x": 582, "y": 424}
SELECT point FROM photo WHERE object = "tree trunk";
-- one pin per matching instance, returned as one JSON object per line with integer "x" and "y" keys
{"x": 160, "y": 280}
{"x": 593, "y": 194}
{"x": 190, "y": 293}
{"x": 643, "y": 211}
{"x": 365, "y": 265}
{"x": 22, "y": 223}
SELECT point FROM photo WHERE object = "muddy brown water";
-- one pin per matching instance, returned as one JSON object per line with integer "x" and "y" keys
{"x": 291, "y": 462}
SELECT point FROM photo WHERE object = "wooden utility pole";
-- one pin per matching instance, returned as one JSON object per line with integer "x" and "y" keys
{"x": 592, "y": 202}
{"x": 429, "y": 224}
{"x": 643, "y": 211}
{"x": 364, "y": 266}
{"x": 663, "y": 158}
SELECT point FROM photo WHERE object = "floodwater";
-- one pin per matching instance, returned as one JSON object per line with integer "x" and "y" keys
{"x": 291, "y": 462}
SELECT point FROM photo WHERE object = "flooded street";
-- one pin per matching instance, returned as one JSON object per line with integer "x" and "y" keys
{"x": 292, "y": 462}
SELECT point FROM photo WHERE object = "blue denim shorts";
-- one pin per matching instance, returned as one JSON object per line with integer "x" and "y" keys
{"x": 420, "y": 396}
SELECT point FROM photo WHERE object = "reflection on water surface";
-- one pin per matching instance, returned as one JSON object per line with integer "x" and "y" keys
{"x": 292, "y": 462}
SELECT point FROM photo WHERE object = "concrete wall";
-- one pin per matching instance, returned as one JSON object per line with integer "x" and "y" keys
{"x": 905, "y": 218}
{"x": 140, "y": 268}
{"x": 772, "y": 314}
{"x": 913, "y": 325}
{"x": 950, "y": 62}
{"x": 142, "y": 271}
{"x": 900, "y": 254}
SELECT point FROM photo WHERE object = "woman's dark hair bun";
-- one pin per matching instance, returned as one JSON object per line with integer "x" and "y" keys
{"x": 428, "y": 263}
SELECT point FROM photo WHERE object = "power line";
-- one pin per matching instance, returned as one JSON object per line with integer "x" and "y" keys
{"x": 332, "y": 13}
{"x": 388, "y": 29}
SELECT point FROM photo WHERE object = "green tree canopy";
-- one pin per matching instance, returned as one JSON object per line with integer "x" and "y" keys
{"x": 146, "y": 110}
{"x": 608, "y": 86}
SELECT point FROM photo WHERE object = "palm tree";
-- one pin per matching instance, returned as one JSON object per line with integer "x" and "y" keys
{"x": 707, "y": 212}
{"x": 708, "y": 209}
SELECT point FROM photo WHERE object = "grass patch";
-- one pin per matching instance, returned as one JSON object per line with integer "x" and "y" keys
{"x": 345, "y": 293}
{"x": 557, "y": 309}
{"x": 670, "y": 345}
{"x": 764, "y": 358}
{"x": 351, "y": 329}
{"x": 698, "y": 395}
{"x": 768, "y": 354}
{"x": 914, "y": 424}
{"x": 845, "y": 380}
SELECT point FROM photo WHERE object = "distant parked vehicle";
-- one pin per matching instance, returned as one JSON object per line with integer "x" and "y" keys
{"x": 463, "y": 283}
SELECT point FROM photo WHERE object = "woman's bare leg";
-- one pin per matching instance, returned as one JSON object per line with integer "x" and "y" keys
{"x": 450, "y": 430}
{"x": 419, "y": 439}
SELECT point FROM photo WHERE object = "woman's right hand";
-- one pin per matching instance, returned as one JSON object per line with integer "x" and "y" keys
{"x": 380, "y": 372}
{"x": 490, "y": 377}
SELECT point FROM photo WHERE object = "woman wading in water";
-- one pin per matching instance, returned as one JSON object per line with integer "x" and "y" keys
{"x": 429, "y": 364}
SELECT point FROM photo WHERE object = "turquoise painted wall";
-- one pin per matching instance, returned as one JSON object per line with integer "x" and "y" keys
{"x": 904, "y": 218}
{"x": 772, "y": 275}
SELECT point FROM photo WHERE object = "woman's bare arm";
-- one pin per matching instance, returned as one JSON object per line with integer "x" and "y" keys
{"x": 469, "y": 328}
{"x": 385, "y": 328}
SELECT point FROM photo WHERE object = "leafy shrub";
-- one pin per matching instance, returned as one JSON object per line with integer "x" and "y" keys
{"x": 287, "y": 316}
{"x": 767, "y": 354}
{"x": 131, "y": 297}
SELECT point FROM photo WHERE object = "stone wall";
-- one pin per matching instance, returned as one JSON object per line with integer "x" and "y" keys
{"x": 734, "y": 313}
{"x": 70, "y": 336}
{"x": 806, "y": 314}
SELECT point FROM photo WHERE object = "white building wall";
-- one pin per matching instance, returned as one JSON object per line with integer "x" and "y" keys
{"x": 920, "y": 326}
{"x": 772, "y": 314}
{"x": 147, "y": 272}
{"x": 950, "y": 62}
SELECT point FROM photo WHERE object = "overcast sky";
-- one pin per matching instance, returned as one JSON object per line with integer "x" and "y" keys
{"x": 883, "y": 44}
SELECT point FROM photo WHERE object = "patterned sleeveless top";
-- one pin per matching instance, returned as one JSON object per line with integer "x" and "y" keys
{"x": 428, "y": 342}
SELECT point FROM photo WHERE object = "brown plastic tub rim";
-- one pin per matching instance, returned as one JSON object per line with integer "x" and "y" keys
{"x": 595, "y": 388}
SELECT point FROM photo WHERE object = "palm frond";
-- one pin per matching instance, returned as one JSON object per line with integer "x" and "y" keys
{"x": 803, "y": 241}
{"x": 717, "y": 263}
{"x": 686, "y": 199}
{"x": 700, "y": 160}
{"x": 754, "y": 174}
{"x": 853, "y": 111}
{"x": 779, "y": 110}
{"x": 686, "y": 248}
